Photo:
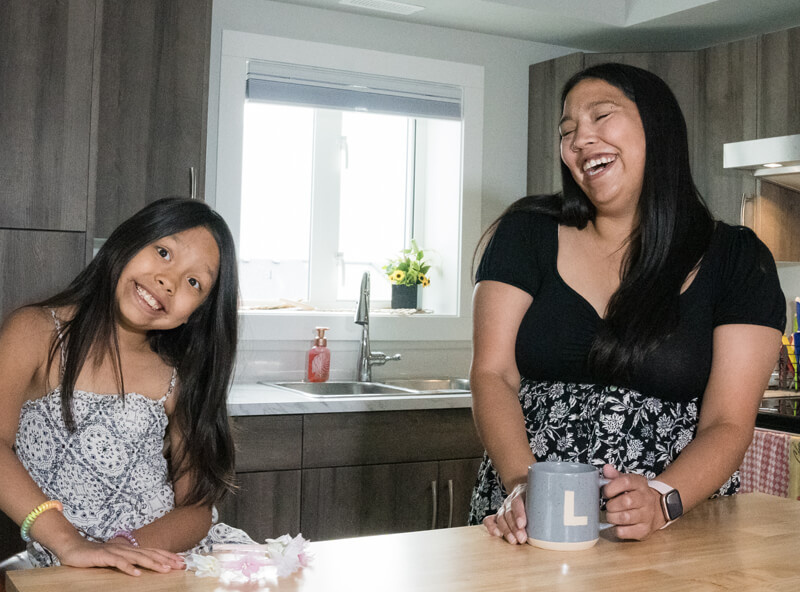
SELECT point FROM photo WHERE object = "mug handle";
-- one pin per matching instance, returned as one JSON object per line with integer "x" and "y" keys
{"x": 603, "y": 481}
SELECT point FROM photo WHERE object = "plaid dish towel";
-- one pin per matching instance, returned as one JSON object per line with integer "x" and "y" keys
{"x": 772, "y": 464}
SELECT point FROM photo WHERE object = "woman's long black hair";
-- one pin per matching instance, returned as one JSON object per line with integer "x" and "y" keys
{"x": 673, "y": 232}
{"x": 203, "y": 349}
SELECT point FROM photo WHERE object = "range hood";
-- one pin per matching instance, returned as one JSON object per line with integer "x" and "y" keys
{"x": 771, "y": 159}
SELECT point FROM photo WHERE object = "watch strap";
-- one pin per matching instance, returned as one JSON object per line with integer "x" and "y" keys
{"x": 663, "y": 489}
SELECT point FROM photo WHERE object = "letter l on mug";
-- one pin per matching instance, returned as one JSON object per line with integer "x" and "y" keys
{"x": 570, "y": 519}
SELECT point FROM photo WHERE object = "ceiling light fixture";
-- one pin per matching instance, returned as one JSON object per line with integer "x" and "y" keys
{"x": 383, "y": 6}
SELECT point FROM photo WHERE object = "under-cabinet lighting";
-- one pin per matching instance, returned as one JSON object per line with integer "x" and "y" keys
{"x": 772, "y": 165}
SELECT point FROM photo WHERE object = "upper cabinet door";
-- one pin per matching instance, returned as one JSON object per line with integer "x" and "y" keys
{"x": 727, "y": 112}
{"x": 544, "y": 112}
{"x": 779, "y": 84}
{"x": 46, "y": 51}
{"x": 153, "y": 103}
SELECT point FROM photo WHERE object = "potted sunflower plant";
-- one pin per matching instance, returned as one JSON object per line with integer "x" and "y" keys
{"x": 407, "y": 272}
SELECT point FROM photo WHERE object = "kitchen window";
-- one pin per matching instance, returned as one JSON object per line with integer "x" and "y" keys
{"x": 330, "y": 159}
{"x": 337, "y": 172}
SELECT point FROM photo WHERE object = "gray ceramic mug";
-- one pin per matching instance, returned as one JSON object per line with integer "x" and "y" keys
{"x": 563, "y": 505}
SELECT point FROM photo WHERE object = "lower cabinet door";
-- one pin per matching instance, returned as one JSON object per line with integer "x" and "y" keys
{"x": 341, "y": 502}
{"x": 266, "y": 505}
{"x": 456, "y": 482}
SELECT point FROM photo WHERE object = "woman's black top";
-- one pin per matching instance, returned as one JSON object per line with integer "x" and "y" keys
{"x": 737, "y": 283}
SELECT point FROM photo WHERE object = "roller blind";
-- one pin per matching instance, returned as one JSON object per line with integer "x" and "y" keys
{"x": 309, "y": 86}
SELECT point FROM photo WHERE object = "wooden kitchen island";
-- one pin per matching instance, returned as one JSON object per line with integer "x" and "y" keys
{"x": 746, "y": 542}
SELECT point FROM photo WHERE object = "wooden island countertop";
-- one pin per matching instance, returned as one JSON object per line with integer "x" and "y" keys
{"x": 746, "y": 542}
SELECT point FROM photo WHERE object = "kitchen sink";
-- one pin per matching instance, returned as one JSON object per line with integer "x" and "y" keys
{"x": 342, "y": 389}
{"x": 389, "y": 388}
{"x": 431, "y": 384}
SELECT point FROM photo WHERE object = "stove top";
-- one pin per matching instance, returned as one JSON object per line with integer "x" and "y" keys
{"x": 780, "y": 413}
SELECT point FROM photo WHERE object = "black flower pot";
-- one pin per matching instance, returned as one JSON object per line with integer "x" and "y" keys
{"x": 404, "y": 296}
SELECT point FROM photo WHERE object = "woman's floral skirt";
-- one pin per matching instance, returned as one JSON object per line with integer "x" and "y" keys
{"x": 596, "y": 425}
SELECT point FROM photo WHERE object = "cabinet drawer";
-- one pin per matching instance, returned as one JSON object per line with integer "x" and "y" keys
{"x": 338, "y": 439}
{"x": 268, "y": 442}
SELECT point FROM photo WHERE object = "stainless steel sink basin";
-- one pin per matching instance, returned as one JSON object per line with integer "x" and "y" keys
{"x": 431, "y": 384}
{"x": 390, "y": 388}
{"x": 342, "y": 389}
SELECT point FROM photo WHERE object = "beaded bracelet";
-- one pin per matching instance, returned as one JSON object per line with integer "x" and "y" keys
{"x": 25, "y": 529}
{"x": 128, "y": 536}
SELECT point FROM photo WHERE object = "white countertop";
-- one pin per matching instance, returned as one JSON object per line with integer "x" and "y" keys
{"x": 260, "y": 399}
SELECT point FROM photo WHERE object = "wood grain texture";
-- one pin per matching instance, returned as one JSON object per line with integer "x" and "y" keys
{"x": 344, "y": 502}
{"x": 336, "y": 439}
{"x": 45, "y": 105}
{"x": 463, "y": 474}
{"x": 153, "y": 103}
{"x": 777, "y": 218}
{"x": 545, "y": 80}
{"x": 268, "y": 442}
{"x": 36, "y": 264}
{"x": 779, "y": 84}
{"x": 742, "y": 543}
{"x": 726, "y": 113}
{"x": 267, "y": 504}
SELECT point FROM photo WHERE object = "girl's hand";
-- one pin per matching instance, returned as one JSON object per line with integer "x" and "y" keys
{"x": 124, "y": 557}
{"x": 510, "y": 520}
{"x": 632, "y": 505}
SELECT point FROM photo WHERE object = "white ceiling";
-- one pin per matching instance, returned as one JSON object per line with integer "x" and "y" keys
{"x": 599, "y": 25}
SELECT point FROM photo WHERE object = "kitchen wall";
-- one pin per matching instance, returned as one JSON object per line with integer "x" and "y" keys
{"x": 505, "y": 63}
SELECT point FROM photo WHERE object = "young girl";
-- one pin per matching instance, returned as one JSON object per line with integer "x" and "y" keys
{"x": 114, "y": 436}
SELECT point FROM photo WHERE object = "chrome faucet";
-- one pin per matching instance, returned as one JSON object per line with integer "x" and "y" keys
{"x": 366, "y": 358}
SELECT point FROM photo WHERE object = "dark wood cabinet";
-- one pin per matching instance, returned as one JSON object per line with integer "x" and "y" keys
{"x": 545, "y": 81}
{"x": 335, "y": 475}
{"x": 268, "y": 462}
{"x": 727, "y": 111}
{"x": 153, "y": 96}
{"x": 340, "y": 502}
{"x": 35, "y": 265}
{"x": 46, "y": 53}
{"x": 266, "y": 505}
{"x": 778, "y": 83}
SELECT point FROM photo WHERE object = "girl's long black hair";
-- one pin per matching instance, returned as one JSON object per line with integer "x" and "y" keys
{"x": 673, "y": 232}
{"x": 203, "y": 349}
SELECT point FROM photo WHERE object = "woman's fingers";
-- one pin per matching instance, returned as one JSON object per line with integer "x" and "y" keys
{"x": 633, "y": 506}
{"x": 510, "y": 520}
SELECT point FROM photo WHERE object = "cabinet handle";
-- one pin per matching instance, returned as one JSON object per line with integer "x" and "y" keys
{"x": 435, "y": 502}
{"x": 450, "y": 495}
{"x": 741, "y": 209}
{"x": 192, "y": 183}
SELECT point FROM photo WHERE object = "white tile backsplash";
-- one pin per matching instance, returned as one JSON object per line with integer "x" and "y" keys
{"x": 286, "y": 360}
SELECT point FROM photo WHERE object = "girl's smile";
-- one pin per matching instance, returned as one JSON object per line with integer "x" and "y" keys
{"x": 165, "y": 282}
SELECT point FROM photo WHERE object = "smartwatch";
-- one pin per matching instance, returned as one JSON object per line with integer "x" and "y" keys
{"x": 671, "y": 503}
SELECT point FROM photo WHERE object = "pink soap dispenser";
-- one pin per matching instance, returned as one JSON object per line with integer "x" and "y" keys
{"x": 319, "y": 358}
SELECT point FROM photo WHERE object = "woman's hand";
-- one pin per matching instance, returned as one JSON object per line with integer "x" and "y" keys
{"x": 121, "y": 555}
{"x": 510, "y": 520}
{"x": 632, "y": 505}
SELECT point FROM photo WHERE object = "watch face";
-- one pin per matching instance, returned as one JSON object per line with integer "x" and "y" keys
{"x": 673, "y": 504}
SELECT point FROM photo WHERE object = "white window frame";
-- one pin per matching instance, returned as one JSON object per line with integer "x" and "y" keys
{"x": 237, "y": 48}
